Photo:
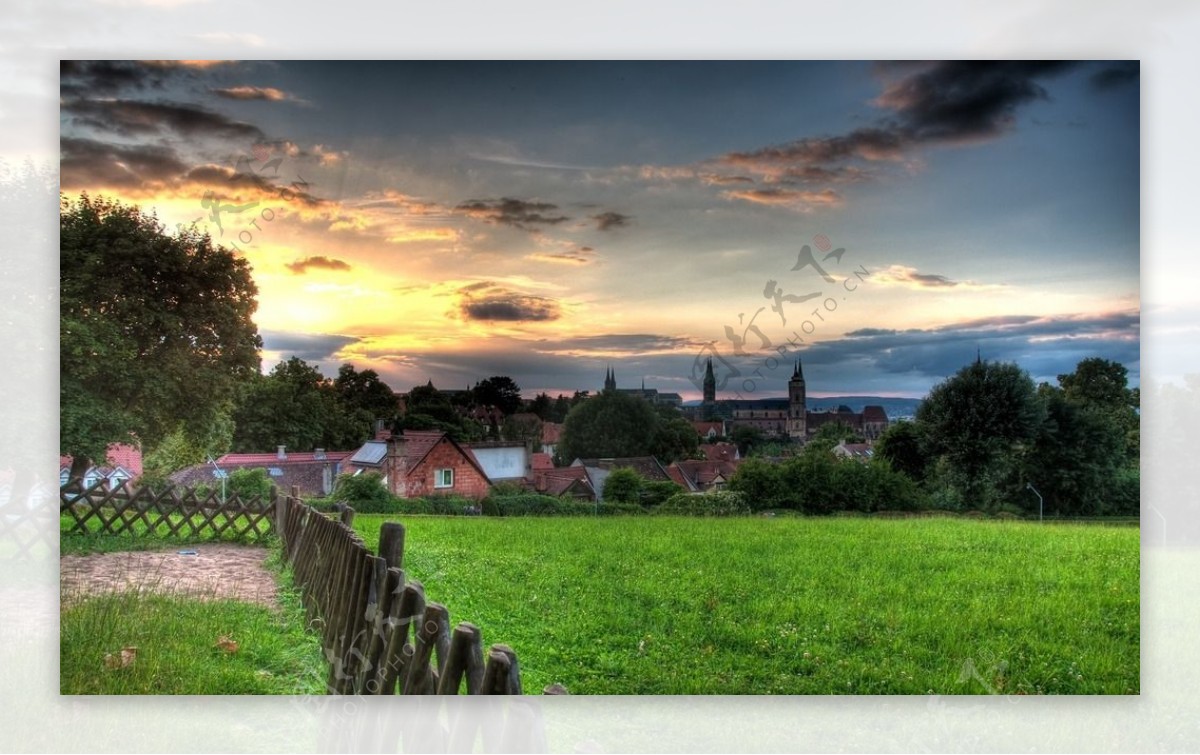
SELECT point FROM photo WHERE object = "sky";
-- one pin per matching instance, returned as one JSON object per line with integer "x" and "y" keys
{"x": 450, "y": 221}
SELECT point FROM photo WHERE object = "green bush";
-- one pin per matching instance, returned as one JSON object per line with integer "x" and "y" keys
{"x": 441, "y": 505}
{"x": 536, "y": 504}
{"x": 623, "y": 485}
{"x": 1125, "y": 494}
{"x": 714, "y": 503}
{"x": 365, "y": 493}
{"x": 249, "y": 483}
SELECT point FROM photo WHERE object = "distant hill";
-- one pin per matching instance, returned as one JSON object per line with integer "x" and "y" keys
{"x": 895, "y": 407}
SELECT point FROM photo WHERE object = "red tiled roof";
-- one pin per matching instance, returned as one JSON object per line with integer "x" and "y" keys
{"x": 703, "y": 473}
{"x": 719, "y": 451}
{"x": 702, "y": 428}
{"x": 561, "y": 479}
{"x": 540, "y": 462}
{"x": 677, "y": 476}
{"x": 125, "y": 455}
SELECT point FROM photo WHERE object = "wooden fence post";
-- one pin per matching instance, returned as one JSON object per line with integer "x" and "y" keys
{"x": 391, "y": 544}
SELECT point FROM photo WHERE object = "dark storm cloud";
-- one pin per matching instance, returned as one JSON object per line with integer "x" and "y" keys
{"x": 625, "y": 343}
{"x": 311, "y": 347}
{"x": 1115, "y": 75}
{"x": 944, "y": 103}
{"x": 966, "y": 100}
{"x": 105, "y": 78}
{"x": 134, "y": 118}
{"x": 517, "y": 213}
{"x": 86, "y": 162}
{"x": 320, "y": 262}
{"x": 488, "y": 301}
{"x": 1045, "y": 346}
{"x": 606, "y": 221}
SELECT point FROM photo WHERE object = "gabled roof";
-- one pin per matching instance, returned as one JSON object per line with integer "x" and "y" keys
{"x": 720, "y": 451}
{"x": 703, "y": 428}
{"x": 647, "y": 466}
{"x": 561, "y": 480}
{"x": 273, "y": 460}
{"x": 701, "y": 474}
{"x": 124, "y": 455}
{"x": 540, "y": 462}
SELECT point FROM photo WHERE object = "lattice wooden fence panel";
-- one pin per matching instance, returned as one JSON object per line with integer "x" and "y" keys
{"x": 175, "y": 512}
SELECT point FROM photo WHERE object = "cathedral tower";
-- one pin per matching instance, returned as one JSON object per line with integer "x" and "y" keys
{"x": 797, "y": 423}
{"x": 610, "y": 380}
{"x": 710, "y": 385}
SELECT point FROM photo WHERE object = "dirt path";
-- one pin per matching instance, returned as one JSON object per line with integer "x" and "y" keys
{"x": 216, "y": 571}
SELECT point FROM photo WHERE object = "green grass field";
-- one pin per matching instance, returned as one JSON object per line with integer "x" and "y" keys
{"x": 178, "y": 645}
{"x": 657, "y": 605}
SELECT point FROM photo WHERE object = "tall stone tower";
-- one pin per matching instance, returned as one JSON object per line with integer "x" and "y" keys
{"x": 610, "y": 380}
{"x": 710, "y": 385}
{"x": 797, "y": 423}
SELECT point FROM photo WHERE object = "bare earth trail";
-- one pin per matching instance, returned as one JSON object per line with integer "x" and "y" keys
{"x": 218, "y": 571}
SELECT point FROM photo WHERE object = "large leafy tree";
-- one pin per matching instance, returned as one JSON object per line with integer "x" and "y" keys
{"x": 607, "y": 426}
{"x": 1076, "y": 455}
{"x": 902, "y": 447}
{"x": 363, "y": 391}
{"x": 1102, "y": 386}
{"x": 982, "y": 420}
{"x": 298, "y": 407}
{"x": 499, "y": 391}
{"x": 156, "y": 334}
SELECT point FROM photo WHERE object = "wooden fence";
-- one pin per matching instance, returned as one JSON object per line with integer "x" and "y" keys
{"x": 170, "y": 513}
{"x": 380, "y": 635}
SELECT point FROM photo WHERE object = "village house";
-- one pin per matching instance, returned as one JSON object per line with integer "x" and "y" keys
{"x": 422, "y": 463}
{"x": 313, "y": 472}
{"x": 597, "y": 470}
{"x": 123, "y": 463}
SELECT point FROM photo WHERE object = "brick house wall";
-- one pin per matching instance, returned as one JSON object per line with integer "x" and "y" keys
{"x": 419, "y": 481}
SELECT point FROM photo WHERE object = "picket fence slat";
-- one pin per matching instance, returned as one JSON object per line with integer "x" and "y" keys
{"x": 380, "y": 634}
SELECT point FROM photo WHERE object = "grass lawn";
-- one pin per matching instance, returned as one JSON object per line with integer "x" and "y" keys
{"x": 183, "y": 645}
{"x": 655, "y": 605}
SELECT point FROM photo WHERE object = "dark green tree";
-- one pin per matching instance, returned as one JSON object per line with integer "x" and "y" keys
{"x": 1103, "y": 385}
{"x": 498, "y": 391}
{"x": 364, "y": 392}
{"x": 291, "y": 406}
{"x": 609, "y": 425}
{"x": 982, "y": 420}
{"x": 747, "y": 438}
{"x": 156, "y": 329}
{"x": 901, "y": 446}
{"x": 674, "y": 437}
{"x": 525, "y": 427}
{"x": 1075, "y": 457}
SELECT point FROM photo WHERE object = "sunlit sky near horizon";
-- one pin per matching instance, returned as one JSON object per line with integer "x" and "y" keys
{"x": 456, "y": 220}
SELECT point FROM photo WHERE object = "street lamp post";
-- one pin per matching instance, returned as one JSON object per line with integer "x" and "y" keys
{"x": 1029, "y": 485}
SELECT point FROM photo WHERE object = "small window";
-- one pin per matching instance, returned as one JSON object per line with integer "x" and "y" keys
{"x": 443, "y": 478}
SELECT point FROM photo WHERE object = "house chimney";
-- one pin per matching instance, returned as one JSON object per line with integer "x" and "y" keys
{"x": 281, "y": 453}
{"x": 395, "y": 464}
{"x": 319, "y": 454}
